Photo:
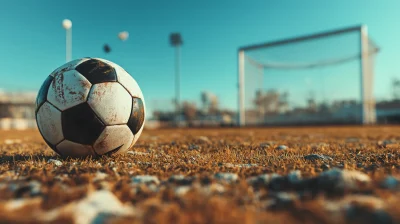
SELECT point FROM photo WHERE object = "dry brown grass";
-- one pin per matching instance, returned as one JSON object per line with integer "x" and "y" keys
{"x": 200, "y": 153}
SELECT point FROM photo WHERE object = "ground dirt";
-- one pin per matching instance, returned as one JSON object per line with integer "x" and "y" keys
{"x": 257, "y": 175}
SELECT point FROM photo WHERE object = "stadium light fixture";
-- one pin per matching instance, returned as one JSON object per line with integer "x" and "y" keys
{"x": 176, "y": 41}
{"x": 67, "y": 25}
{"x": 123, "y": 35}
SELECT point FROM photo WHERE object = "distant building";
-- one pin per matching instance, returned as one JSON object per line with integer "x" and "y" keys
{"x": 17, "y": 110}
{"x": 388, "y": 112}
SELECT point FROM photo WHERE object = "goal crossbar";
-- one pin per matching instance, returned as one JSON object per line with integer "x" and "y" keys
{"x": 301, "y": 38}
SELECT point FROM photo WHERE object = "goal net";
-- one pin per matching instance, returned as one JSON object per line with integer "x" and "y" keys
{"x": 324, "y": 78}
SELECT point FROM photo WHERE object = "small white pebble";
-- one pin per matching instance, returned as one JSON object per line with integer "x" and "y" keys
{"x": 115, "y": 170}
{"x": 55, "y": 162}
{"x": 97, "y": 206}
{"x": 8, "y": 141}
{"x": 19, "y": 203}
{"x": 204, "y": 139}
{"x": 182, "y": 190}
{"x": 153, "y": 187}
{"x": 229, "y": 165}
{"x": 282, "y": 147}
{"x": 263, "y": 178}
{"x": 344, "y": 179}
{"x": 145, "y": 179}
{"x": 137, "y": 153}
{"x": 286, "y": 197}
{"x": 352, "y": 139}
{"x": 267, "y": 144}
{"x": 99, "y": 176}
{"x": 12, "y": 141}
{"x": 294, "y": 176}
{"x": 177, "y": 177}
{"x": 228, "y": 177}
{"x": 194, "y": 147}
{"x": 321, "y": 144}
{"x": 248, "y": 165}
{"x": 214, "y": 188}
{"x": 35, "y": 187}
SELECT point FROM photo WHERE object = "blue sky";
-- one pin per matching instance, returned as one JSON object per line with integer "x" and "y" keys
{"x": 32, "y": 41}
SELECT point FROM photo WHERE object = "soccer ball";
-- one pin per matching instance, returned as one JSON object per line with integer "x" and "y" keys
{"x": 90, "y": 107}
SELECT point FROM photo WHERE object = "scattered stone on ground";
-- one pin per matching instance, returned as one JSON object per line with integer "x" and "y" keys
{"x": 267, "y": 144}
{"x": 145, "y": 179}
{"x": 193, "y": 147}
{"x": 316, "y": 157}
{"x": 203, "y": 139}
{"x": 228, "y": 177}
{"x": 390, "y": 182}
{"x": 282, "y": 147}
{"x": 55, "y": 162}
{"x": 137, "y": 153}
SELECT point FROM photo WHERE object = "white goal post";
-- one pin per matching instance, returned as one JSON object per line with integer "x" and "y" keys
{"x": 267, "y": 59}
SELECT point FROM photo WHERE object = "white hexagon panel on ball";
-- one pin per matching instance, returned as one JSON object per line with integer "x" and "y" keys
{"x": 111, "y": 102}
{"x": 137, "y": 135}
{"x": 114, "y": 139}
{"x": 49, "y": 123}
{"x": 72, "y": 149}
{"x": 68, "y": 89}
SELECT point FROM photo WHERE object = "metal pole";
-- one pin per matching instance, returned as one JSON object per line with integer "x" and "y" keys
{"x": 368, "y": 103}
{"x": 177, "y": 82}
{"x": 68, "y": 50}
{"x": 242, "y": 121}
{"x": 363, "y": 70}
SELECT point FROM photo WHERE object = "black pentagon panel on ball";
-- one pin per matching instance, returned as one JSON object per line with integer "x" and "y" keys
{"x": 42, "y": 94}
{"x": 97, "y": 71}
{"x": 81, "y": 125}
{"x": 136, "y": 119}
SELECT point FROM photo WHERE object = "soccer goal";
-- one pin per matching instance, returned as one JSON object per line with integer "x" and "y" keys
{"x": 323, "y": 78}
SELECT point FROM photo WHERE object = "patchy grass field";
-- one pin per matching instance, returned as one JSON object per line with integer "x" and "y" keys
{"x": 275, "y": 175}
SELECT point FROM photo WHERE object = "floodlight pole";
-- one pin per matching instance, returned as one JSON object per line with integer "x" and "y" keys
{"x": 176, "y": 41}
{"x": 177, "y": 79}
{"x": 68, "y": 45}
{"x": 241, "y": 115}
{"x": 67, "y": 25}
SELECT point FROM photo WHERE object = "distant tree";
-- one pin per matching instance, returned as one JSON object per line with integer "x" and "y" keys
{"x": 204, "y": 101}
{"x": 209, "y": 102}
{"x": 213, "y": 105}
{"x": 189, "y": 111}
